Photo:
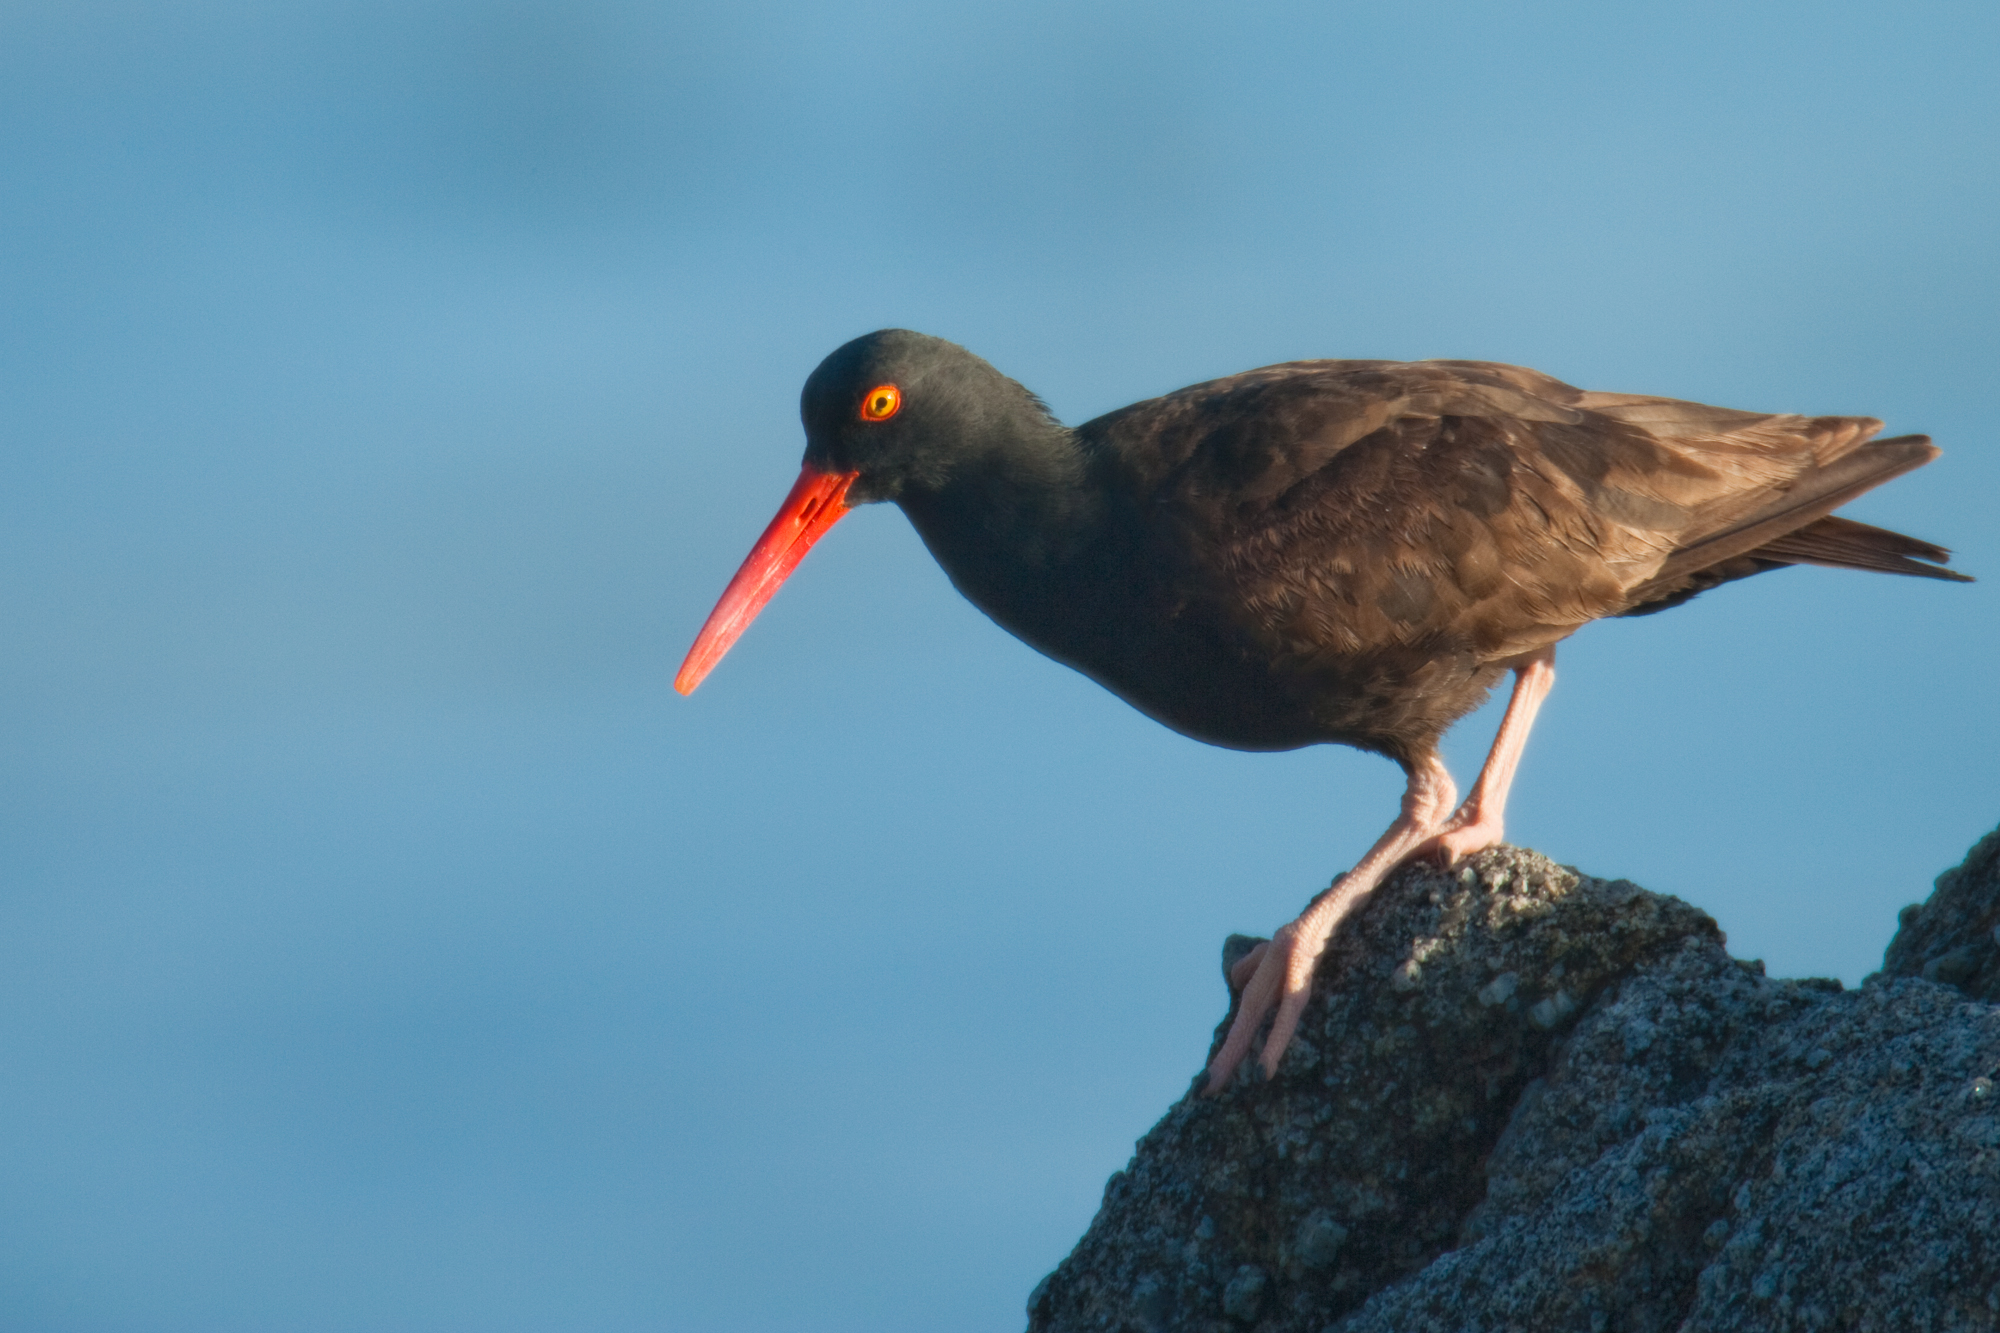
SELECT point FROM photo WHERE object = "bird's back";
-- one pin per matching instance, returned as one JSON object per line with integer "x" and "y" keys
{"x": 1386, "y": 537}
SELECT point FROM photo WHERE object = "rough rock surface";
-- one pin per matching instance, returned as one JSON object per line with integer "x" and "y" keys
{"x": 1527, "y": 1099}
{"x": 1955, "y": 936}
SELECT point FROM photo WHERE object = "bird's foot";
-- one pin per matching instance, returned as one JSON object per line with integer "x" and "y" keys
{"x": 1274, "y": 978}
{"x": 1464, "y": 833}
{"x": 1260, "y": 979}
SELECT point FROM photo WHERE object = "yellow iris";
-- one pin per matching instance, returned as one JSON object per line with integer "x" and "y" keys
{"x": 881, "y": 403}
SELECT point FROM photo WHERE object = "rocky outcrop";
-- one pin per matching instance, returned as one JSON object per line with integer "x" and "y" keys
{"x": 1523, "y": 1098}
{"x": 1954, "y": 937}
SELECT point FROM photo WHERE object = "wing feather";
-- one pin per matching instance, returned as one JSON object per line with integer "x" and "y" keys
{"x": 1480, "y": 509}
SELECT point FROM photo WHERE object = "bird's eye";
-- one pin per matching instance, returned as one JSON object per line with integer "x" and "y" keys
{"x": 881, "y": 402}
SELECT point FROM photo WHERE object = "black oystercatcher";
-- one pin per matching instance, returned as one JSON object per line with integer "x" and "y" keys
{"x": 1348, "y": 551}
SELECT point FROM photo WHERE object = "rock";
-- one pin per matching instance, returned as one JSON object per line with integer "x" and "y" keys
{"x": 1244, "y": 1296}
{"x": 1523, "y": 1098}
{"x": 1952, "y": 937}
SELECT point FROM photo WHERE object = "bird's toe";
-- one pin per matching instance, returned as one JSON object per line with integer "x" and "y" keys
{"x": 1455, "y": 842}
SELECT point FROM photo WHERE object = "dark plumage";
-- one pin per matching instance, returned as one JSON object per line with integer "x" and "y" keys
{"x": 1350, "y": 551}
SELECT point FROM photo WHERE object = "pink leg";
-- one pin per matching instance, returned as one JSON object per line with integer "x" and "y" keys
{"x": 1280, "y": 973}
{"x": 1481, "y": 821}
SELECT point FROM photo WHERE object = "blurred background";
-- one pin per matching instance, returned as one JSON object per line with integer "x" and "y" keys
{"x": 387, "y": 390}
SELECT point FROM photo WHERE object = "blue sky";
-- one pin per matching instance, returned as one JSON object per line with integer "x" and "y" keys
{"x": 387, "y": 391}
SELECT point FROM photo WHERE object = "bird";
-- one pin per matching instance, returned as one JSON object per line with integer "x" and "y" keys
{"x": 1321, "y": 551}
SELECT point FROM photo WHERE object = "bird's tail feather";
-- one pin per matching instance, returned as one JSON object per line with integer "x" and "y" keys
{"x": 1845, "y": 544}
{"x": 1805, "y": 505}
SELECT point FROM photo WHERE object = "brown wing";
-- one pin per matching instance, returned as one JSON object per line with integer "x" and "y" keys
{"x": 1793, "y": 471}
{"x": 1438, "y": 519}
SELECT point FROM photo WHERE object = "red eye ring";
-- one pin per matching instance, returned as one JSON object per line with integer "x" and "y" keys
{"x": 881, "y": 402}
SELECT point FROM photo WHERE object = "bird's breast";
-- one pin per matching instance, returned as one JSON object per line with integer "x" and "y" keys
{"x": 1182, "y": 656}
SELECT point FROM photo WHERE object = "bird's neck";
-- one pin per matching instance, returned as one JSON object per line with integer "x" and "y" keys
{"x": 1018, "y": 501}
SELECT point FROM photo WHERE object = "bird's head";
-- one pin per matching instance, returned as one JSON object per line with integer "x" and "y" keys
{"x": 886, "y": 415}
{"x": 896, "y": 411}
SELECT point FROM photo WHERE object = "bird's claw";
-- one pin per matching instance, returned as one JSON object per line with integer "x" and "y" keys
{"x": 1271, "y": 977}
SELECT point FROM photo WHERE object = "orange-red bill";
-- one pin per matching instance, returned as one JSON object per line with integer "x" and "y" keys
{"x": 816, "y": 503}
